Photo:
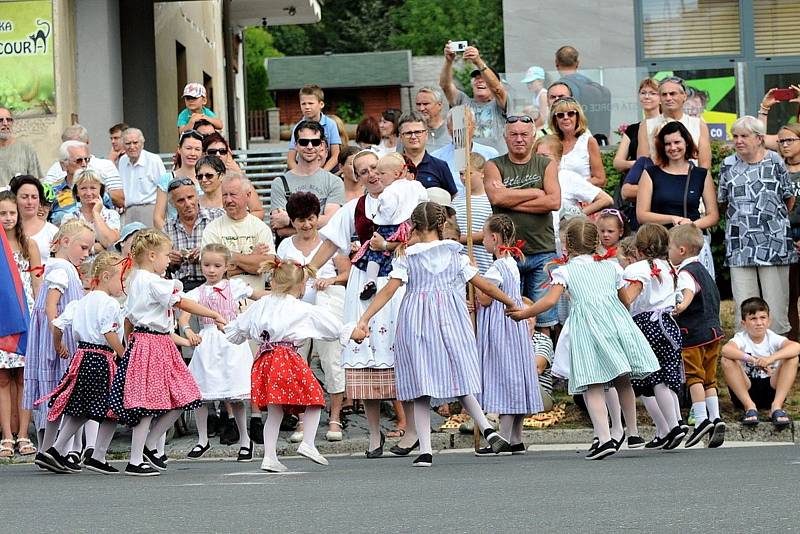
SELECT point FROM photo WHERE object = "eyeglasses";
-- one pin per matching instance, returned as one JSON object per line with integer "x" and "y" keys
{"x": 208, "y": 176}
{"x": 217, "y": 152}
{"x": 562, "y": 114}
{"x": 414, "y": 133}
{"x": 788, "y": 141}
{"x": 511, "y": 119}
{"x": 313, "y": 142}
{"x": 178, "y": 182}
{"x": 9, "y": 120}
{"x": 648, "y": 93}
{"x": 82, "y": 161}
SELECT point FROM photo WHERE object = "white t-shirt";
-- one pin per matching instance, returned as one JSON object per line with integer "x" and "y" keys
{"x": 658, "y": 293}
{"x": 771, "y": 344}
{"x": 287, "y": 251}
{"x": 150, "y": 301}
{"x": 92, "y": 317}
{"x": 240, "y": 237}
{"x": 43, "y": 238}
{"x": 105, "y": 167}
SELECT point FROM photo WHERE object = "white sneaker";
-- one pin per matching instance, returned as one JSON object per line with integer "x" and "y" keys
{"x": 273, "y": 466}
{"x": 296, "y": 437}
{"x": 311, "y": 453}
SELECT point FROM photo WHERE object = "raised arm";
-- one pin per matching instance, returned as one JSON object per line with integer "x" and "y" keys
{"x": 446, "y": 76}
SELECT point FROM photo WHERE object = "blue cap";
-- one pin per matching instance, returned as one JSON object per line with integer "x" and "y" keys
{"x": 533, "y": 73}
{"x": 128, "y": 230}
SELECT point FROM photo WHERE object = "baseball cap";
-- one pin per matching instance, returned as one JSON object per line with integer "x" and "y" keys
{"x": 194, "y": 90}
{"x": 475, "y": 73}
{"x": 128, "y": 230}
{"x": 533, "y": 73}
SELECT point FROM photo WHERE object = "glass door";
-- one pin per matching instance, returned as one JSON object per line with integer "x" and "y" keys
{"x": 780, "y": 77}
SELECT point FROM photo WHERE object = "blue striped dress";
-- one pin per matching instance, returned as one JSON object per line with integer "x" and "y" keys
{"x": 435, "y": 350}
{"x": 510, "y": 383}
{"x": 605, "y": 343}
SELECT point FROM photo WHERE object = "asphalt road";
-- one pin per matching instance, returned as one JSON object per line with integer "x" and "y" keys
{"x": 748, "y": 489}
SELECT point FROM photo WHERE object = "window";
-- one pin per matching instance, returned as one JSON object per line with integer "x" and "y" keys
{"x": 687, "y": 28}
{"x": 776, "y": 29}
{"x": 209, "y": 85}
{"x": 182, "y": 71}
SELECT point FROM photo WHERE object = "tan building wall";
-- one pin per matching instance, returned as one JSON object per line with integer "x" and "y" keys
{"x": 197, "y": 26}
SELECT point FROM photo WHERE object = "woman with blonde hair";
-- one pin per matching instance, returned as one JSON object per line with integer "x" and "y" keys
{"x": 89, "y": 190}
{"x": 581, "y": 153}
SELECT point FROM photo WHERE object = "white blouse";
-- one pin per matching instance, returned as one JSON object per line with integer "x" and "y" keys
{"x": 397, "y": 202}
{"x": 657, "y": 293}
{"x": 57, "y": 276}
{"x": 287, "y": 251}
{"x": 92, "y": 317}
{"x": 436, "y": 257}
{"x": 43, "y": 239}
{"x": 150, "y": 301}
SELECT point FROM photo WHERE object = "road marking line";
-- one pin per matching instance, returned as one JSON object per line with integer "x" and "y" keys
{"x": 263, "y": 473}
{"x": 193, "y": 484}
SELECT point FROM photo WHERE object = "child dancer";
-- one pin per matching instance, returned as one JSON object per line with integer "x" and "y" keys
{"x": 605, "y": 345}
{"x": 508, "y": 365}
{"x": 221, "y": 369}
{"x": 651, "y": 291}
{"x": 152, "y": 380}
{"x": 281, "y": 380}
{"x": 82, "y": 395}
{"x": 612, "y": 227}
{"x": 395, "y": 205}
{"x": 45, "y": 362}
{"x": 435, "y": 350}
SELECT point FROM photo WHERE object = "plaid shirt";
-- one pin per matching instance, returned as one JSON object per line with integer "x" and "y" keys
{"x": 182, "y": 240}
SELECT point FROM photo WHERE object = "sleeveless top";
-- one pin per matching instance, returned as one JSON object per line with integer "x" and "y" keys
{"x": 692, "y": 124}
{"x": 577, "y": 159}
{"x": 669, "y": 190}
{"x": 364, "y": 226}
{"x": 220, "y": 300}
{"x": 535, "y": 229}
{"x": 699, "y": 322}
{"x": 632, "y": 131}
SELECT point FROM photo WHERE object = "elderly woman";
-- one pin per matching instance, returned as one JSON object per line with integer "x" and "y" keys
{"x": 89, "y": 190}
{"x": 756, "y": 189}
{"x": 216, "y": 145}
{"x": 31, "y": 204}
{"x": 581, "y": 153}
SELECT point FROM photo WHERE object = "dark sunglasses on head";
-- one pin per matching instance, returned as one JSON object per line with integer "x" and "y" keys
{"x": 194, "y": 134}
{"x": 217, "y": 152}
{"x": 179, "y": 182}
{"x": 206, "y": 176}
{"x": 561, "y": 114}
{"x": 313, "y": 142}
{"x": 511, "y": 119}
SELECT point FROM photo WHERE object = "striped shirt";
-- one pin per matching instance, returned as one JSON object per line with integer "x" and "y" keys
{"x": 481, "y": 210}
{"x": 543, "y": 346}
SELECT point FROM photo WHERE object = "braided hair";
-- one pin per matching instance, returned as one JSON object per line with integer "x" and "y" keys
{"x": 503, "y": 226}
{"x": 429, "y": 216}
{"x": 148, "y": 240}
{"x": 652, "y": 242}
{"x": 581, "y": 237}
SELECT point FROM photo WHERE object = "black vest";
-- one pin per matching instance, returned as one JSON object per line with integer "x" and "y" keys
{"x": 699, "y": 323}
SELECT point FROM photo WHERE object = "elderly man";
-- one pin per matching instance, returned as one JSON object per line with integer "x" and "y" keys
{"x": 16, "y": 157}
{"x": 140, "y": 171}
{"x": 72, "y": 157}
{"x": 105, "y": 168}
{"x": 525, "y": 187}
{"x": 489, "y": 97}
{"x": 186, "y": 232}
{"x": 431, "y": 172}
{"x": 430, "y": 104}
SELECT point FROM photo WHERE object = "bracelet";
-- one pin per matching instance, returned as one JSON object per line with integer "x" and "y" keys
{"x": 485, "y": 66}
{"x": 763, "y": 111}
{"x": 385, "y": 245}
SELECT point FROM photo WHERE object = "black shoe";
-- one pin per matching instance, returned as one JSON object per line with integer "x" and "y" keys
{"x": 519, "y": 448}
{"x": 656, "y": 443}
{"x": 164, "y": 459}
{"x": 606, "y": 449}
{"x": 369, "y": 291}
{"x": 72, "y": 462}
{"x": 99, "y": 467}
{"x": 397, "y": 450}
{"x": 686, "y": 428}
{"x": 142, "y": 470}
{"x": 213, "y": 423}
{"x": 245, "y": 453}
{"x": 87, "y": 453}
{"x": 152, "y": 458}
{"x": 50, "y": 460}
{"x": 674, "y": 438}
{"x": 289, "y": 423}
{"x": 594, "y": 445}
{"x": 488, "y": 451}
{"x": 198, "y": 451}
{"x": 700, "y": 430}
{"x": 377, "y": 453}
{"x": 257, "y": 430}
{"x": 718, "y": 434}
{"x": 423, "y": 460}
{"x": 618, "y": 443}
{"x": 496, "y": 441}
{"x": 230, "y": 433}
{"x": 635, "y": 442}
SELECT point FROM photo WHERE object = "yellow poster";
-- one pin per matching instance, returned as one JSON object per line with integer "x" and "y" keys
{"x": 27, "y": 75}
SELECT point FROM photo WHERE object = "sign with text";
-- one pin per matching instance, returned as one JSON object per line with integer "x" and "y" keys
{"x": 459, "y": 137}
{"x": 27, "y": 75}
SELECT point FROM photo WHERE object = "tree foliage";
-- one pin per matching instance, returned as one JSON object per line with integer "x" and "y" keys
{"x": 258, "y": 45}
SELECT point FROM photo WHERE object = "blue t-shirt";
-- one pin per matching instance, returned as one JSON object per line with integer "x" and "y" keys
{"x": 433, "y": 172}
{"x": 183, "y": 116}
{"x": 331, "y": 132}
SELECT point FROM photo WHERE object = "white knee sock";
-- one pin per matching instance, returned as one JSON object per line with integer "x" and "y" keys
{"x": 627, "y": 401}
{"x": 677, "y": 404}
{"x": 90, "y": 429}
{"x": 310, "y": 425}
{"x": 104, "y": 436}
{"x": 69, "y": 428}
{"x": 614, "y": 412}
{"x": 712, "y": 404}
{"x": 699, "y": 412}
{"x": 507, "y": 426}
{"x": 651, "y": 405}
{"x": 50, "y": 432}
{"x": 272, "y": 428}
{"x": 372, "y": 271}
{"x": 664, "y": 399}
{"x": 473, "y": 408}
{"x": 162, "y": 442}
{"x": 138, "y": 437}
{"x": 596, "y": 406}
{"x": 159, "y": 430}
{"x": 76, "y": 444}
{"x": 422, "y": 420}
{"x": 516, "y": 430}
{"x": 201, "y": 420}
{"x": 240, "y": 416}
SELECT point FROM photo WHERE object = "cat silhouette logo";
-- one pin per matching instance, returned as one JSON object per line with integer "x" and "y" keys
{"x": 40, "y": 36}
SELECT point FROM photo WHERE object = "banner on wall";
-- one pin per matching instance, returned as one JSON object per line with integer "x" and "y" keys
{"x": 27, "y": 70}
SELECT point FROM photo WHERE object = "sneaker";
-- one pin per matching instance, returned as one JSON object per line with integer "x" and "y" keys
{"x": 656, "y": 443}
{"x": 717, "y": 434}
{"x": 103, "y": 468}
{"x": 72, "y": 462}
{"x": 87, "y": 453}
{"x": 273, "y": 466}
{"x": 518, "y": 448}
{"x": 496, "y": 441}
{"x": 606, "y": 449}
{"x": 256, "y": 430}
{"x": 674, "y": 438}
{"x": 50, "y": 460}
{"x": 311, "y": 453}
{"x": 153, "y": 458}
{"x": 594, "y": 445}
{"x": 635, "y": 442}
{"x": 701, "y": 430}
{"x": 142, "y": 470}
{"x": 423, "y": 460}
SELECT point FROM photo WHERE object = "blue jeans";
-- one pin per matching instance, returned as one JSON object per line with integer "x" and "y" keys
{"x": 535, "y": 284}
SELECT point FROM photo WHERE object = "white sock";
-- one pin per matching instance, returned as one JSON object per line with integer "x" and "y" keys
{"x": 677, "y": 404}
{"x": 422, "y": 420}
{"x": 712, "y": 404}
{"x": 271, "y": 430}
{"x": 614, "y": 412}
{"x": 666, "y": 405}
{"x": 90, "y": 429}
{"x": 138, "y": 437}
{"x": 651, "y": 405}
{"x": 699, "y": 412}
{"x": 372, "y": 271}
{"x": 240, "y": 416}
{"x": 104, "y": 436}
{"x": 201, "y": 420}
{"x": 627, "y": 401}
{"x": 69, "y": 427}
{"x": 159, "y": 430}
{"x": 596, "y": 406}
{"x": 310, "y": 425}
{"x": 473, "y": 408}
{"x": 507, "y": 426}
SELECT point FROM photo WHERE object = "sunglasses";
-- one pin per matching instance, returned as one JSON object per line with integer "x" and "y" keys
{"x": 511, "y": 119}
{"x": 673, "y": 79}
{"x": 9, "y": 120}
{"x": 194, "y": 134}
{"x": 313, "y": 142}
{"x": 179, "y": 182}
{"x": 217, "y": 152}
{"x": 562, "y": 114}
{"x": 81, "y": 161}
{"x": 614, "y": 213}
{"x": 208, "y": 176}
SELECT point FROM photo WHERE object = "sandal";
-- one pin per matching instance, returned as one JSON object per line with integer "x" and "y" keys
{"x": 333, "y": 435}
{"x": 398, "y": 433}
{"x": 779, "y": 420}
{"x": 25, "y": 447}
{"x": 751, "y": 418}
{"x": 6, "y": 451}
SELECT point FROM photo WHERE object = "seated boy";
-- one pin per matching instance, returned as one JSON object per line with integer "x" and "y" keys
{"x": 697, "y": 316}
{"x": 194, "y": 97}
{"x": 759, "y": 366}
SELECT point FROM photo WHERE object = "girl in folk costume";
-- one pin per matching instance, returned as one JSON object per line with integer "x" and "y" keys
{"x": 612, "y": 227}
{"x": 281, "y": 380}
{"x": 152, "y": 380}
{"x": 605, "y": 344}
{"x": 510, "y": 382}
{"x": 221, "y": 369}
{"x": 435, "y": 348}
{"x": 82, "y": 395}
{"x": 46, "y": 362}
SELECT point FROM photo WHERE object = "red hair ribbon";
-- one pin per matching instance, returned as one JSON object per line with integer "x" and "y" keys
{"x": 610, "y": 253}
{"x": 37, "y": 271}
{"x": 655, "y": 272}
{"x": 127, "y": 263}
{"x": 515, "y": 250}
{"x": 562, "y": 260}
{"x": 93, "y": 282}
{"x": 278, "y": 263}
{"x": 219, "y": 291}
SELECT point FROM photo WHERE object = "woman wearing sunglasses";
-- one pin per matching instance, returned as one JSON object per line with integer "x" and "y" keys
{"x": 190, "y": 148}
{"x": 581, "y": 151}
{"x": 216, "y": 145}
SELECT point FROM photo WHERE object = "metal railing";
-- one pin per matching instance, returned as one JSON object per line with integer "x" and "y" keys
{"x": 260, "y": 165}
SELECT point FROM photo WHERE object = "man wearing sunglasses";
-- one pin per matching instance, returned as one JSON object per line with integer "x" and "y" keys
{"x": 307, "y": 176}
{"x": 73, "y": 157}
{"x": 16, "y": 157}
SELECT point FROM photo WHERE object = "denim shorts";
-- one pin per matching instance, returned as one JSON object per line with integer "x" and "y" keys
{"x": 535, "y": 284}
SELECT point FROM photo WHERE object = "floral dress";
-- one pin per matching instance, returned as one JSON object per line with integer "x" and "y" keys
{"x": 12, "y": 360}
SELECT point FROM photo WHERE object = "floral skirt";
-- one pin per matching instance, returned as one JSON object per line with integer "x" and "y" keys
{"x": 281, "y": 376}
